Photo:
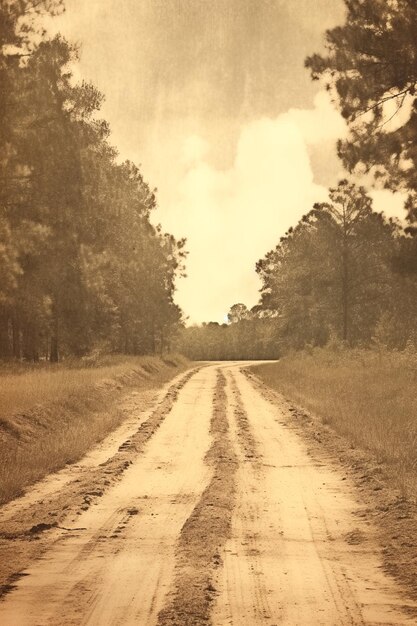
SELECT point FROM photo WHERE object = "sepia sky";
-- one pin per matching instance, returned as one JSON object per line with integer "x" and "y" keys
{"x": 212, "y": 99}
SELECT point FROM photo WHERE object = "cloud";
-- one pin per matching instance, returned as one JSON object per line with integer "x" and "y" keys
{"x": 194, "y": 149}
{"x": 232, "y": 217}
{"x": 321, "y": 124}
{"x": 392, "y": 204}
{"x": 396, "y": 112}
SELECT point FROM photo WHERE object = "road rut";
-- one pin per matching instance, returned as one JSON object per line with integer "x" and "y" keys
{"x": 221, "y": 518}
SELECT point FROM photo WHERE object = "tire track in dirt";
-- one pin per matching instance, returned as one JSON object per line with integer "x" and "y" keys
{"x": 245, "y": 434}
{"x": 329, "y": 564}
{"x": 206, "y": 530}
{"x": 393, "y": 515}
{"x": 23, "y": 536}
{"x": 120, "y": 569}
{"x": 243, "y": 596}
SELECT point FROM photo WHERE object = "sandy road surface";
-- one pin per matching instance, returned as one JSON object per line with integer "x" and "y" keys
{"x": 222, "y": 517}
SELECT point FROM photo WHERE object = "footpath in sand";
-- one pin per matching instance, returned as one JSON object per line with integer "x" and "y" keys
{"x": 209, "y": 510}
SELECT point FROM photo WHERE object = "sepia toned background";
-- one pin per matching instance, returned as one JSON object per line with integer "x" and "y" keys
{"x": 237, "y": 445}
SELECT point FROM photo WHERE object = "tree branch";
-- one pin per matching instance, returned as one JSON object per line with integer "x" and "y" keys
{"x": 382, "y": 101}
{"x": 395, "y": 112}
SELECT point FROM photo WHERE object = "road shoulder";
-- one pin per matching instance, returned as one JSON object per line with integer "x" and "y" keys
{"x": 393, "y": 517}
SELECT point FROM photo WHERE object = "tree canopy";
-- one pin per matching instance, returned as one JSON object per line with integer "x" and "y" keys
{"x": 81, "y": 264}
{"x": 371, "y": 69}
{"x": 334, "y": 277}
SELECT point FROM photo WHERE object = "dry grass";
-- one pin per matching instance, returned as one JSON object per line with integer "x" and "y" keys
{"x": 51, "y": 416}
{"x": 367, "y": 396}
{"x": 22, "y": 388}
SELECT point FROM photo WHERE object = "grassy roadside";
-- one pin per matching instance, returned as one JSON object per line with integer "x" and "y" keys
{"x": 50, "y": 417}
{"x": 366, "y": 396}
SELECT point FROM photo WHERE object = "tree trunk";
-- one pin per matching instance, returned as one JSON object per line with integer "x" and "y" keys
{"x": 17, "y": 348}
{"x": 54, "y": 354}
{"x": 162, "y": 338}
{"x": 345, "y": 292}
{"x": 30, "y": 343}
{"x": 345, "y": 310}
{"x": 5, "y": 347}
{"x": 153, "y": 339}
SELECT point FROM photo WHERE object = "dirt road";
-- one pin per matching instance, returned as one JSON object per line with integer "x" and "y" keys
{"x": 220, "y": 516}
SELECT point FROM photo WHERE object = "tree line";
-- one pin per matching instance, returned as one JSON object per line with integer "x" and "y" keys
{"x": 248, "y": 335}
{"x": 81, "y": 264}
{"x": 346, "y": 273}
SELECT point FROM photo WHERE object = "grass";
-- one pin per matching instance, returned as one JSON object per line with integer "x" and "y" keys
{"x": 23, "y": 389}
{"x": 367, "y": 396}
{"x": 51, "y": 416}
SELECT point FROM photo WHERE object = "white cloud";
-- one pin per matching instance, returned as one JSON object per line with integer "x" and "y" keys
{"x": 194, "y": 149}
{"x": 232, "y": 218}
{"x": 396, "y": 112}
{"x": 323, "y": 123}
{"x": 392, "y": 204}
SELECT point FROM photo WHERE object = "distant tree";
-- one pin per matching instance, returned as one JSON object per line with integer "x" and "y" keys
{"x": 237, "y": 313}
{"x": 298, "y": 282}
{"x": 247, "y": 339}
{"x": 331, "y": 273}
{"x": 349, "y": 206}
